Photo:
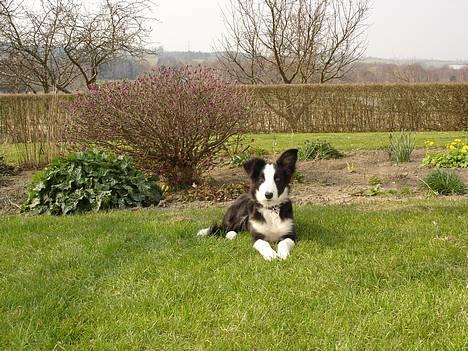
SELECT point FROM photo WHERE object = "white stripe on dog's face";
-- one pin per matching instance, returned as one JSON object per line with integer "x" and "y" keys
{"x": 267, "y": 191}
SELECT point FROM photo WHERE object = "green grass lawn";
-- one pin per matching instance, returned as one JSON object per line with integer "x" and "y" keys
{"x": 347, "y": 141}
{"x": 386, "y": 276}
{"x": 281, "y": 141}
{"x": 9, "y": 152}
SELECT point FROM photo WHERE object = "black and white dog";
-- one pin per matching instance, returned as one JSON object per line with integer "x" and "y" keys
{"x": 266, "y": 211}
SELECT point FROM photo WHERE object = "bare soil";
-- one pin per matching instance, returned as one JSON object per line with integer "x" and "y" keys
{"x": 335, "y": 181}
{"x": 13, "y": 191}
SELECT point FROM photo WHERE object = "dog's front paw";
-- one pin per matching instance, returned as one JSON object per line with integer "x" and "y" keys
{"x": 231, "y": 235}
{"x": 270, "y": 255}
{"x": 203, "y": 232}
{"x": 264, "y": 248}
{"x": 284, "y": 248}
{"x": 283, "y": 254}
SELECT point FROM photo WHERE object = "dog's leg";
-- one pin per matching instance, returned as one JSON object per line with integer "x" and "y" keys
{"x": 284, "y": 248}
{"x": 265, "y": 249}
{"x": 231, "y": 235}
{"x": 204, "y": 232}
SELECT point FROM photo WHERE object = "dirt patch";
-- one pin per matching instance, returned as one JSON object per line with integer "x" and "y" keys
{"x": 344, "y": 180}
{"x": 339, "y": 181}
{"x": 13, "y": 191}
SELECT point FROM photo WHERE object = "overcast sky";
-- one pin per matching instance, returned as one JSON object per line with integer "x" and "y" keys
{"x": 408, "y": 29}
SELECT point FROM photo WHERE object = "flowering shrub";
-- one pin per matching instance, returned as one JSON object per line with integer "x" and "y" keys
{"x": 172, "y": 122}
{"x": 456, "y": 155}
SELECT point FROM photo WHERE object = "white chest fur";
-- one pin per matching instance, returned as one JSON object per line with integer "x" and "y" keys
{"x": 274, "y": 227}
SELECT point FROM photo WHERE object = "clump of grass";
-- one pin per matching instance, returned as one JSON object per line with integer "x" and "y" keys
{"x": 406, "y": 191}
{"x": 443, "y": 182}
{"x": 401, "y": 146}
{"x": 318, "y": 150}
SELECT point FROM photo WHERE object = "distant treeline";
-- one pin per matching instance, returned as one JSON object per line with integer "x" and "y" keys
{"x": 129, "y": 68}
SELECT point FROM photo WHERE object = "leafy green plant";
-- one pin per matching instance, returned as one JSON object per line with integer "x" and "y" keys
{"x": 317, "y": 150}
{"x": 239, "y": 159}
{"x": 375, "y": 180}
{"x": 401, "y": 146}
{"x": 89, "y": 181}
{"x": 442, "y": 182}
{"x": 238, "y": 153}
{"x": 456, "y": 155}
{"x": 375, "y": 190}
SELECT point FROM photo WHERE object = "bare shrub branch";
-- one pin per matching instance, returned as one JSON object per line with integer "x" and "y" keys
{"x": 172, "y": 122}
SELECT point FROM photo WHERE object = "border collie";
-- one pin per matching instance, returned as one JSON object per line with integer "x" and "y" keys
{"x": 266, "y": 211}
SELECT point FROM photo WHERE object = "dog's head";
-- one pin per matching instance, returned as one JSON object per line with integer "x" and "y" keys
{"x": 270, "y": 181}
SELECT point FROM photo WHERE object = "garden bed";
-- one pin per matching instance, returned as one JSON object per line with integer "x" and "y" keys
{"x": 334, "y": 181}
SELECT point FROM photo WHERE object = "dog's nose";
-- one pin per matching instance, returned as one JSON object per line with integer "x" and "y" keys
{"x": 268, "y": 196}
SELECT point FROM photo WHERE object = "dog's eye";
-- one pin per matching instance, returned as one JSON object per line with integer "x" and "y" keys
{"x": 261, "y": 178}
{"x": 277, "y": 179}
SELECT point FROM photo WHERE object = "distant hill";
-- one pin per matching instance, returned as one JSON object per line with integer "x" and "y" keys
{"x": 190, "y": 57}
{"x": 177, "y": 58}
{"x": 422, "y": 62}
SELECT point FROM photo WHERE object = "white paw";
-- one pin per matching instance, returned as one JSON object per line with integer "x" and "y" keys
{"x": 203, "y": 232}
{"x": 283, "y": 254}
{"x": 269, "y": 255}
{"x": 284, "y": 248}
{"x": 231, "y": 235}
{"x": 264, "y": 248}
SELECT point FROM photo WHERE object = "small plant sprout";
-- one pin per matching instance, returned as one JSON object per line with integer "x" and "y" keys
{"x": 350, "y": 167}
{"x": 401, "y": 146}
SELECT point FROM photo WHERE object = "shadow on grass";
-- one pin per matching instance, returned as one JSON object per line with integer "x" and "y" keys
{"x": 315, "y": 232}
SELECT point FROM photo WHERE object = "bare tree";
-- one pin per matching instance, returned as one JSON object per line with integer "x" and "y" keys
{"x": 95, "y": 38}
{"x": 53, "y": 45}
{"x": 293, "y": 41}
{"x": 412, "y": 73}
{"x": 30, "y": 47}
{"x": 290, "y": 42}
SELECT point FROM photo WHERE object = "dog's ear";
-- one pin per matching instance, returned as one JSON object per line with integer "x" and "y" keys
{"x": 287, "y": 161}
{"x": 254, "y": 166}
